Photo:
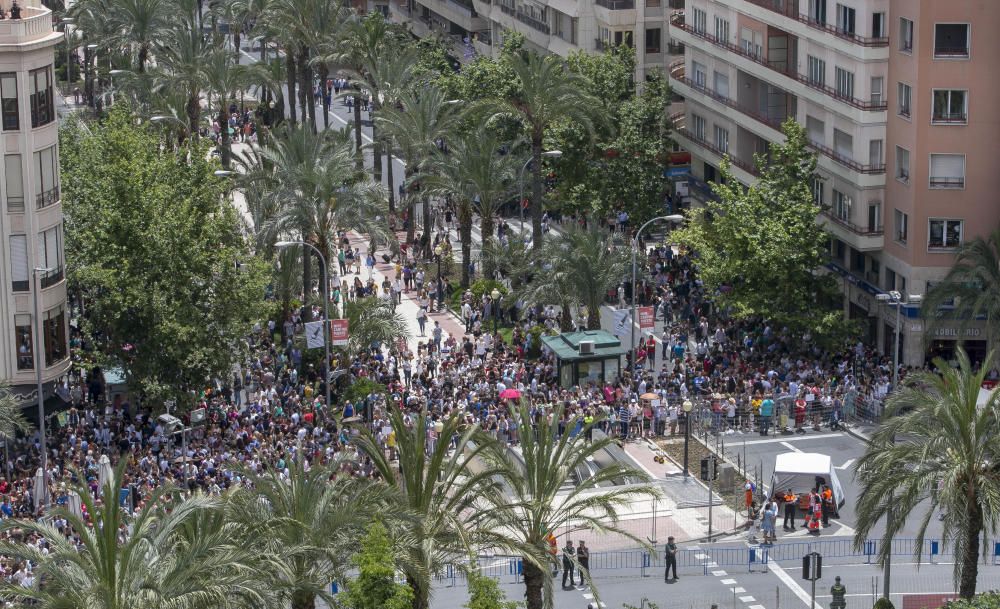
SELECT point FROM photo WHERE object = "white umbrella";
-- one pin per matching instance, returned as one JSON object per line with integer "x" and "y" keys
{"x": 39, "y": 490}
{"x": 74, "y": 504}
{"x": 104, "y": 473}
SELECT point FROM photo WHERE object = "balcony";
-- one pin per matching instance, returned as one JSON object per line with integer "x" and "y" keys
{"x": 51, "y": 278}
{"x": 788, "y": 10}
{"x": 947, "y": 183}
{"x": 862, "y": 238}
{"x": 530, "y": 21}
{"x": 750, "y": 168}
{"x": 677, "y": 21}
{"x": 616, "y": 5}
{"x": 47, "y": 197}
{"x": 35, "y": 24}
{"x": 600, "y": 45}
{"x": 507, "y": 10}
{"x": 775, "y": 123}
{"x": 677, "y": 5}
{"x": 946, "y": 118}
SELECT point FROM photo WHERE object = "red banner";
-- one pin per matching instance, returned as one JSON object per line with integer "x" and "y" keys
{"x": 646, "y": 319}
{"x": 339, "y": 334}
{"x": 927, "y": 601}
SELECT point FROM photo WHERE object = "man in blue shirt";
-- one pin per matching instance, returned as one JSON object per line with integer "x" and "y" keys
{"x": 766, "y": 412}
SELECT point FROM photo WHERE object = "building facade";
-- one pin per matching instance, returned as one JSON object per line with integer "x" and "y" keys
{"x": 33, "y": 303}
{"x": 560, "y": 27}
{"x": 884, "y": 89}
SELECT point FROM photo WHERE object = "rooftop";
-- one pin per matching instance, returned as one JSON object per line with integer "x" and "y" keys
{"x": 567, "y": 346}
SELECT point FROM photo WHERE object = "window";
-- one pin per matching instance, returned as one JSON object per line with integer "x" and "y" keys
{"x": 877, "y": 91}
{"x": 951, "y": 40}
{"x": 50, "y": 256}
{"x": 752, "y": 42}
{"x": 721, "y": 29}
{"x": 25, "y": 342}
{"x": 874, "y": 217}
{"x": 815, "y": 130}
{"x": 876, "y": 155}
{"x": 950, "y": 106}
{"x": 818, "y": 191}
{"x": 721, "y": 84}
{"x": 902, "y": 164}
{"x": 857, "y": 262}
{"x": 843, "y": 144}
{"x": 817, "y": 11}
{"x": 19, "y": 263}
{"x": 698, "y": 71}
{"x": 839, "y": 250}
{"x": 46, "y": 170}
{"x": 901, "y": 223}
{"x": 944, "y": 233}
{"x": 841, "y": 206}
{"x": 698, "y": 126}
{"x": 845, "y": 19}
{"x": 947, "y": 171}
{"x": 14, "y": 182}
{"x": 700, "y": 21}
{"x": 721, "y": 139}
{"x": 817, "y": 71}
{"x": 652, "y": 3}
{"x": 890, "y": 279}
{"x": 905, "y": 35}
{"x": 8, "y": 102}
{"x": 903, "y": 94}
{"x": 653, "y": 40}
{"x": 40, "y": 89}
{"x": 845, "y": 83}
{"x": 878, "y": 25}
{"x": 54, "y": 331}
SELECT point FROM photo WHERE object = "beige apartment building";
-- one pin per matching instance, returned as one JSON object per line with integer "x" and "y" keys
{"x": 33, "y": 295}
{"x": 560, "y": 27}
{"x": 898, "y": 99}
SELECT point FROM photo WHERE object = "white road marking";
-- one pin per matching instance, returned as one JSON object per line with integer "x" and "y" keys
{"x": 747, "y": 599}
{"x": 588, "y": 596}
{"x": 792, "y": 439}
{"x": 719, "y": 573}
{"x": 792, "y": 585}
{"x": 712, "y": 564}
{"x": 729, "y": 582}
{"x": 846, "y": 464}
{"x": 739, "y": 590}
{"x": 756, "y": 606}
{"x": 789, "y": 446}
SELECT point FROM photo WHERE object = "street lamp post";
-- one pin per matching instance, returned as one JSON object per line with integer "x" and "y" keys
{"x": 674, "y": 219}
{"x": 68, "y": 21}
{"x": 326, "y": 311}
{"x": 39, "y": 362}
{"x": 520, "y": 178}
{"x": 495, "y": 295}
{"x": 91, "y": 58}
{"x": 687, "y": 433}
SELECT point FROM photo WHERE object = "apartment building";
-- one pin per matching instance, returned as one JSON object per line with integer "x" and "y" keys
{"x": 477, "y": 27}
{"x": 33, "y": 295}
{"x": 884, "y": 90}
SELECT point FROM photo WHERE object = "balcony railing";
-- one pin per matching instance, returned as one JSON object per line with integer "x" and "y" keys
{"x": 676, "y": 4}
{"x": 786, "y": 9}
{"x": 507, "y": 10}
{"x": 947, "y": 182}
{"x": 676, "y": 70}
{"x": 51, "y": 278}
{"x": 526, "y": 19}
{"x": 46, "y": 198}
{"x": 745, "y": 166}
{"x": 600, "y": 45}
{"x": 678, "y": 22}
{"x": 951, "y": 51}
{"x": 775, "y": 123}
{"x": 675, "y": 48}
{"x": 944, "y": 117}
{"x": 616, "y": 5}
{"x": 864, "y": 231}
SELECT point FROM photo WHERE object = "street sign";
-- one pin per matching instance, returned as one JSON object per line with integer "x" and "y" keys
{"x": 812, "y": 566}
{"x": 339, "y": 332}
{"x": 646, "y": 319}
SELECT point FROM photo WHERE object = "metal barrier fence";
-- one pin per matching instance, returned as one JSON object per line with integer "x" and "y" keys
{"x": 703, "y": 559}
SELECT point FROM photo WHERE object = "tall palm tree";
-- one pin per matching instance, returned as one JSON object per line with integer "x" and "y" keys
{"x": 11, "y": 417}
{"x": 439, "y": 489}
{"x": 224, "y": 77}
{"x": 374, "y": 320}
{"x": 421, "y": 120}
{"x": 183, "y": 62}
{"x": 309, "y": 520}
{"x": 478, "y": 178}
{"x": 584, "y": 260}
{"x": 937, "y": 449}
{"x": 971, "y": 286}
{"x": 547, "y": 92}
{"x": 177, "y": 553}
{"x": 536, "y": 503}
{"x": 139, "y": 26}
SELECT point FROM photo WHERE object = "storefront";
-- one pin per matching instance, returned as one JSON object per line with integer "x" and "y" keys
{"x": 944, "y": 340}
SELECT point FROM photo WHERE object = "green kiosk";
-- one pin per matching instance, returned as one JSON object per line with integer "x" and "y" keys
{"x": 591, "y": 356}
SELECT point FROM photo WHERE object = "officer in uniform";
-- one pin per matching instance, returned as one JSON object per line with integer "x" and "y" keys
{"x": 838, "y": 591}
{"x": 789, "y": 499}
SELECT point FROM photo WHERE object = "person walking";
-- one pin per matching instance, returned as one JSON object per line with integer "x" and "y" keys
{"x": 583, "y": 558}
{"x": 568, "y": 555}
{"x": 768, "y": 522}
{"x": 422, "y": 319}
{"x": 670, "y": 557}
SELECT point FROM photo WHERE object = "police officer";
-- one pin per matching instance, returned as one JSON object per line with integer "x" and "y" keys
{"x": 789, "y": 500}
{"x": 568, "y": 554}
{"x": 838, "y": 591}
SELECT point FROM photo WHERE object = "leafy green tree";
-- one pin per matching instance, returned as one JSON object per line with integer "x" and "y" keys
{"x": 157, "y": 253}
{"x": 760, "y": 247}
{"x": 536, "y": 502}
{"x": 11, "y": 416}
{"x": 485, "y": 593}
{"x": 970, "y": 286}
{"x": 375, "y": 586}
{"x": 373, "y": 320}
{"x": 436, "y": 487}
{"x": 947, "y": 440}
{"x": 178, "y": 554}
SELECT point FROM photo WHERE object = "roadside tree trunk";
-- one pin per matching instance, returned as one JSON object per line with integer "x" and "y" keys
{"x": 970, "y": 555}
{"x": 357, "y": 133}
{"x": 290, "y": 74}
{"x": 389, "y": 177}
{"x": 534, "y": 582}
{"x": 536, "y": 189}
{"x": 465, "y": 234}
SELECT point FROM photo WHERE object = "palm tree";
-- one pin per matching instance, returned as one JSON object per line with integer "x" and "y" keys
{"x": 479, "y": 178}
{"x": 224, "y": 77}
{"x": 971, "y": 286}
{"x": 584, "y": 260}
{"x": 536, "y": 503}
{"x": 184, "y": 59}
{"x": 11, "y": 417}
{"x": 374, "y": 320}
{"x": 938, "y": 448}
{"x": 139, "y": 26}
{"x": 309, "y": 520}
{"x": 178, "y": 553}
{"x": 438, "y": 488}
{"x": 422, "y": 119}
{"x": 547, "y": 92}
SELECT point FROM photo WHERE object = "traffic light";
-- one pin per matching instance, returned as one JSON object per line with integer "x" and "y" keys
{"x": 709, "y": 469}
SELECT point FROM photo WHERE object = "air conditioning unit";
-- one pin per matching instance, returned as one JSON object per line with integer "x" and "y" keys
{"x": 586, "y": 347}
